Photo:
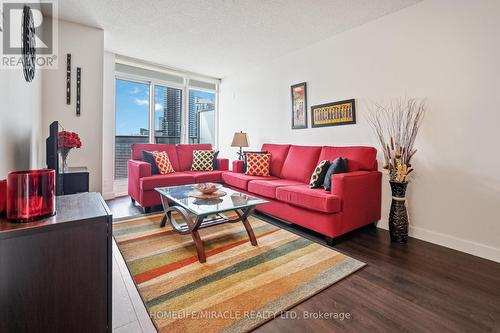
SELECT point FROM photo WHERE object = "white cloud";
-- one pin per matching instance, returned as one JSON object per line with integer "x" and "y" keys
{"x": 158, "y": 107}
{"x": 134, "y": 91}
{"x": 141, "y": 101}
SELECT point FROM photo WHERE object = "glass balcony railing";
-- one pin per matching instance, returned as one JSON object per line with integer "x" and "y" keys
{"x": 123, "y": 150}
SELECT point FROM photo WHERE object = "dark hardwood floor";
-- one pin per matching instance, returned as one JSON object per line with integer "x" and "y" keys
{"x": 417, "y": 287}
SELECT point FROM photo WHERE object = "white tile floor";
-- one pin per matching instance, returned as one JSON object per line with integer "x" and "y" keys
{"x": 129, "y": 313}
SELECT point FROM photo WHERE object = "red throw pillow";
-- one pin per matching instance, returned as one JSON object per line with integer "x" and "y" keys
{"x": 258, "y": 164}
{"x": 163, "y": 162}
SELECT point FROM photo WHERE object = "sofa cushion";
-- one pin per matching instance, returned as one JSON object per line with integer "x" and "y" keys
{"x": 203, "y": 160}
{"x": 258, "y": 164}
{"x": 278, "y": 156}
{"x": 314, "y": 199}
{"x": 338, "y": 166}
{"x": 300, "y": 163}
{"x": 206, "y": 176}
{"x": 185, "y": 154}
{"x": 171, "y": 179}
{"x": 163, "y": 162}
{"x": 267, "y": 188}
{"x": 245, "y": 157}
{"x": 147, "y": 156}
{"x": 240, "y": 180}
{"x": 171, "y": 150}
{"x": 358, "y": 157}
{"x": 318, "y": 176}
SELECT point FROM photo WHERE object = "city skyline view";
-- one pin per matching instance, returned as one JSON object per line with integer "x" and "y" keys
{"x": 132, "y": 107}
{"x": 132, "y": 118}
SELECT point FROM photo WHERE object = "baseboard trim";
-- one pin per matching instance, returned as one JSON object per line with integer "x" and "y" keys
{"x": 109, "y": 195}
{"x": 455, "y": 243}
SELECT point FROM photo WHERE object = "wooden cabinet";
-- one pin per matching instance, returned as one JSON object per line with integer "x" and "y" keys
{"x": 55, "y": 274}
{"x": 75, "y": 180}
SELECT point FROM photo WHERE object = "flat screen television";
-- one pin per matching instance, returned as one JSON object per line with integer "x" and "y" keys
{"x": 52, "y": 154}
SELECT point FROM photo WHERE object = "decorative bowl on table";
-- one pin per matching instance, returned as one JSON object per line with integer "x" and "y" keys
{"x": 207, "y": 188}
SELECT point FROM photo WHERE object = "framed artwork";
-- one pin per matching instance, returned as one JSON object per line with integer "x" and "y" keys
{"x": 299, "y": 105}
{"x": 333, "y": 114}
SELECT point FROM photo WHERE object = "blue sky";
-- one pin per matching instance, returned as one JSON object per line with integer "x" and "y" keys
{"x": 132, "y": 105}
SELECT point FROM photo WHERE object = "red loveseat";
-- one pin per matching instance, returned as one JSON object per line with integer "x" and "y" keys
{"x": 141, "y": 183}
{"x": 353, "y": 201}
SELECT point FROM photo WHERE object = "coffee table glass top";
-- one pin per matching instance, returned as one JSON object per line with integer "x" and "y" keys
{"x": 231, "y": 201}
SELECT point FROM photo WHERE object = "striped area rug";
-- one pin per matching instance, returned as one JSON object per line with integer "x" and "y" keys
{"x": 239, "y": 287}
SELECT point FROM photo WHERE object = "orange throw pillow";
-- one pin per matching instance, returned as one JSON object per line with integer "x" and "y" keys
{"x": 258, "y": 164}
{"x": 163, "y": 162}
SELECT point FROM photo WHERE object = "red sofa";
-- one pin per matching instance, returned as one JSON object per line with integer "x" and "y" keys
{"x": 354, "y": 199}
{"x": 141, "y": 183}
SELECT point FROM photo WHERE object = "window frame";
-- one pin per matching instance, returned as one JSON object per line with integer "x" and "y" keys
{"x": 185, "y": 87}
{"x": 216, "y": 110}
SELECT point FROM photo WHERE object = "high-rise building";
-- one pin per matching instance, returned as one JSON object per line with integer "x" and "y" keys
{"x": 170, "y": 122}
{"x": 197, "y": 104}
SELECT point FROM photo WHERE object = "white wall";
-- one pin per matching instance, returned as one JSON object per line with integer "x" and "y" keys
{"x": 444, "y": 50}
{"x": 86, "y": 46}
{"x": 20, "y": 121}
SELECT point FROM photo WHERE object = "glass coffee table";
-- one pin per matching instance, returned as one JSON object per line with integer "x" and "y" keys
{"x": 198, "y": 213}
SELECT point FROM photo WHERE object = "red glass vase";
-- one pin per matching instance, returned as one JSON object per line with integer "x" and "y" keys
{"x": 30, "y": 195}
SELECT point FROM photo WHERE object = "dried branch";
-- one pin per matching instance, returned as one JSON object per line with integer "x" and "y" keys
{"x": 396, "y": 126}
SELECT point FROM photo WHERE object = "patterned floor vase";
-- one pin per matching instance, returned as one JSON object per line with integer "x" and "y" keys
{"x": 398, "y": 216}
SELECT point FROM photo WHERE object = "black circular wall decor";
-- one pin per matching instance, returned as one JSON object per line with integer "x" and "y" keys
{"x": 28, "y": 38}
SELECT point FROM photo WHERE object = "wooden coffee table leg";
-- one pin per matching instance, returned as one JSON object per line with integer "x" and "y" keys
{"x": 193, "y": 228}
{"x": 167, "y": 216}
{"x": 248, "y": 227}
{"x": 199, "y": 246}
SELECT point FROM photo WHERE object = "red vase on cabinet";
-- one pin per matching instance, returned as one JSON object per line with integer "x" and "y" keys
{"x": 3, "y": 197}
{"x": 30, "y": 195}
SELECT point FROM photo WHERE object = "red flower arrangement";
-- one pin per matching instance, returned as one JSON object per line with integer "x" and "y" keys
{"x": 66, "y": 141}
{"x": 69, "y": 140}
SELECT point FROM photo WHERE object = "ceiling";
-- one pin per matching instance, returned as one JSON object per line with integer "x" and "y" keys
{"x": 220, "y": 37}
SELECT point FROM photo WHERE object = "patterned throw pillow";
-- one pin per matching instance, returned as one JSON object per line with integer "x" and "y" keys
{"x": 258, "y": 164}
{"x": 203, "y": 160}
{"x": 163, "y": 162}
{"x": 318, "y": 176}
{"x": 337, "y": 166}
{"x": 245, "y": 153}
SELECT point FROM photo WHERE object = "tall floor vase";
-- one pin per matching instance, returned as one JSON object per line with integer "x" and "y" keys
{"x": 398, "y": 216}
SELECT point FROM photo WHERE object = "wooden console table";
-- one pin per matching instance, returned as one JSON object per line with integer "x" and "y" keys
{"x": 75, "y": 180}
{"x": 55, "y": 274}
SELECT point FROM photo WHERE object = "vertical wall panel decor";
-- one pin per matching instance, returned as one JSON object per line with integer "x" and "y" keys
{"x": 68, "y": 78}
{"x": 78, "y": 90}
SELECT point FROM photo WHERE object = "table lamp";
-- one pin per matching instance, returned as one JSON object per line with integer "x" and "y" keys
{"x": 240, "y": 139}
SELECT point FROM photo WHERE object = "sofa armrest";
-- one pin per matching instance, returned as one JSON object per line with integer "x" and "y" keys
{"x": 238, "y": 166}
{"x": 136, "y": 171}
{"x": 361, "y": 195}
{"x": 222, "y": 164}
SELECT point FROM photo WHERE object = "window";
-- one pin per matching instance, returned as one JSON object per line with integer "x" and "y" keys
{"x": 201, "y": 117}
{"x": 160, "y": 107}
{"x": 168, "y": 110}
{"x": 131, "y": 121}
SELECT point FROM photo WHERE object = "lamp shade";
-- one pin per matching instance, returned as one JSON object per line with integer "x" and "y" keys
{"x": 240, "y": 139}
